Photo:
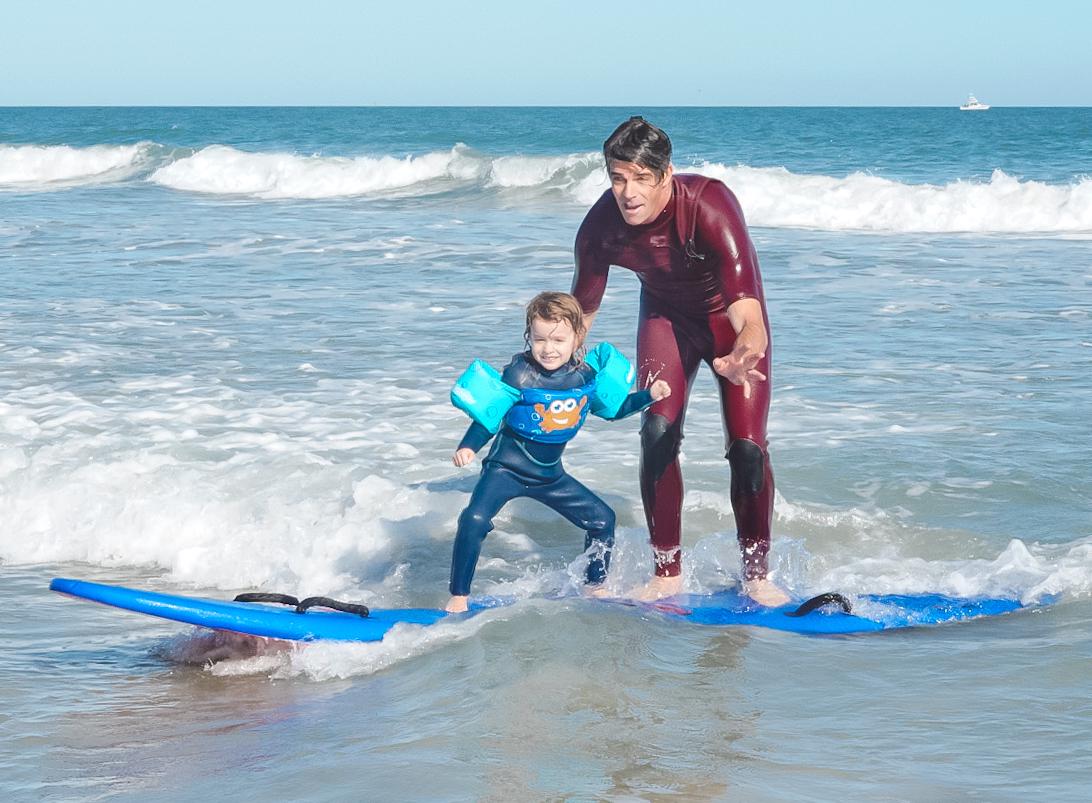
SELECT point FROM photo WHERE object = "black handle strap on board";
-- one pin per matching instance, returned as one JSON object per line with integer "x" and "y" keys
{"x": 280, "y": 599}
{"x": 821, "y": 601}
{"x": 304, "y": 605}
{"x": 337, "y": 605}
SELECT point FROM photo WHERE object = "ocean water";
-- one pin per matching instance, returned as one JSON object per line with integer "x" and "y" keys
{"x": 227, "y": 338}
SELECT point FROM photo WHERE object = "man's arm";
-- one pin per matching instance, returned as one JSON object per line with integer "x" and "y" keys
{"x": 740, "y": 366}
{"x": 592, "y": 269}
{"x": 723, "y": 232}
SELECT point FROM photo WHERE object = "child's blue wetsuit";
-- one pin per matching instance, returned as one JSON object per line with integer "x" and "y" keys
{"x": 517, "y": 466}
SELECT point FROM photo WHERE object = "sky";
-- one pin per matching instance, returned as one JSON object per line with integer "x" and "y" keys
{"x": 486, "y": 53}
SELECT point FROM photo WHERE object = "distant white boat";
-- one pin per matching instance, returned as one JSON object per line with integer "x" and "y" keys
{"x": 973, "y": 104}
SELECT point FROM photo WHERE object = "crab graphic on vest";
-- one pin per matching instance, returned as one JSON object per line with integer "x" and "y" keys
{"x": 561, "y": 414}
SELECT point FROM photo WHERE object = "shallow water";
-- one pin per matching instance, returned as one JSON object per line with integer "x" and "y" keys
{"x": 552, "y": 701}
{"x": 234, "y": 376}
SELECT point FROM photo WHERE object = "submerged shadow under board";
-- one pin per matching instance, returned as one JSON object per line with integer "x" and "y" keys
{"x": 721, "y": 609}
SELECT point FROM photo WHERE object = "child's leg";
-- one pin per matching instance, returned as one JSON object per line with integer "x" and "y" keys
{"x": 588, "y": 512}
{"x": 495, "y": 487}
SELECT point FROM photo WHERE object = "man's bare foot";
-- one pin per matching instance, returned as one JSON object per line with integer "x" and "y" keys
{"x": 764, "y": 592}
{"x": 456, "y": 605}
{"x": 657, "y": 588}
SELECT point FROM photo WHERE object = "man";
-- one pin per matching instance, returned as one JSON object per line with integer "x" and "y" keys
{"x": 701, "y": 300}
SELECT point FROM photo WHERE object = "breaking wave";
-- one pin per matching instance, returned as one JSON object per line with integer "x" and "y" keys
{"x": 221, "y": 170}
{"x": 51, "y": 166}
{"x": 777, "y": 198}
{"x": 772, "y": 197}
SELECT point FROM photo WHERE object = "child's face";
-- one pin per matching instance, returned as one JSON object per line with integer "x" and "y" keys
{"x": 552, "y": 342}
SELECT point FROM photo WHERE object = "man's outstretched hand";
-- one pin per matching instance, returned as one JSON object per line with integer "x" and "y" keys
{"x": 739, "y": 367}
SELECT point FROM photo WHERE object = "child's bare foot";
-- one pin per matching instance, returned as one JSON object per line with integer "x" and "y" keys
{"x": 764, "y": 592}
{"x": 658, "y": 588}
{"x": 599, "y": 591}
{"x": 456, "y": 605}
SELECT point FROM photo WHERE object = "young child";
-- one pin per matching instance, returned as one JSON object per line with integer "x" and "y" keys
{"x": 534, "y": 408}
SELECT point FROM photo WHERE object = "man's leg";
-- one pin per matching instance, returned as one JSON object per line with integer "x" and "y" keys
{"x": 752, "y": 504}
{"x": 664, "y": 352}
{"x": 752, "y": 485}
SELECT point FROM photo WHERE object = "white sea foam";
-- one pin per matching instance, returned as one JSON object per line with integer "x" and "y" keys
{"x": 771, "y": 196}
{"x": 1028, "y": 573}
{"x": 141, "y": 488}
{"x": 45, "y": 166}
{"x": 1031, "y": 574}
{"x": 222, "y": 170}
{"x": 332, "y": 660}
{"x": 776, "y": 197}
{"x": 564, "y": 172}
{"x": 257, "y": 501}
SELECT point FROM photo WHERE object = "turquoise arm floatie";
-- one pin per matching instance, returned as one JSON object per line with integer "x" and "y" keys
{"x": 613, "y": 378}
{"x": 482, "y": 395}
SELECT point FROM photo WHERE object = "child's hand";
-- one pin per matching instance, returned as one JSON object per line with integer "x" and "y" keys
{"x": 463, "y": 457}
{"x": 659, "y": 390}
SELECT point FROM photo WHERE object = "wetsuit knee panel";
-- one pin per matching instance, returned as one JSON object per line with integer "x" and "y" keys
{"x": 748, "y": 463}
{"x": 604, "y": 522}
{"x": 474, "y": 521}
{"x": 660, "y": 442}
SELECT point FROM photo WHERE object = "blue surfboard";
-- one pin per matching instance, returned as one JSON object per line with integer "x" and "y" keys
{"x": 826, "y": 614}
{"x": 866, "y": 614}
{"x": 255, "y": 619}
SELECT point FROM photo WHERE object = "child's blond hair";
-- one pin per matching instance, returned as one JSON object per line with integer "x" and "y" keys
{"x": 554, "y": 306}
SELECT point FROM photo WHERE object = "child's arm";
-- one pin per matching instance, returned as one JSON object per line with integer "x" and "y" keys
{"x": 475, "y": 438}
{"x": 640, "y": 399}
{"x": 515, "y": 375}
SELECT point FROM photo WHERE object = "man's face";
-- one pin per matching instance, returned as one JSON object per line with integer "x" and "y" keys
{"x": 640, "y": 195}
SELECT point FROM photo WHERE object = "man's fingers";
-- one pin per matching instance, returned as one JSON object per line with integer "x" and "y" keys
{"x": 752, "y": 358}
{"x": 747, "y": 352}
{"x": 740, "y": 369}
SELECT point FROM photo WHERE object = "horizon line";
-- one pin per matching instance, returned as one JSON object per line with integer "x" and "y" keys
{"x": 509, "y": 106}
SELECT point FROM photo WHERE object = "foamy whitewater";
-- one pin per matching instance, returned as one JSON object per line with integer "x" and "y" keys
{"x": 773, "y": 196}
{"x": 228, "y": 338}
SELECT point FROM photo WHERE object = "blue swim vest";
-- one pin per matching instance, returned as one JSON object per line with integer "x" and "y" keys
{"x": 550, "y": 416}
{"x": 539, "y": 414}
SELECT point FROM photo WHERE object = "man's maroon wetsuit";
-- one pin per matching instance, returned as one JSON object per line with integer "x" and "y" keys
{"x": 694, "y": 260}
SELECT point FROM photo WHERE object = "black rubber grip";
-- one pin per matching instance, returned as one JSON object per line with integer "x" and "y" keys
{"x": 815, "y": 603}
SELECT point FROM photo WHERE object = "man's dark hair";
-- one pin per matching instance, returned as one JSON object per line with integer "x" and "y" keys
{"x": 640, "y": 142}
